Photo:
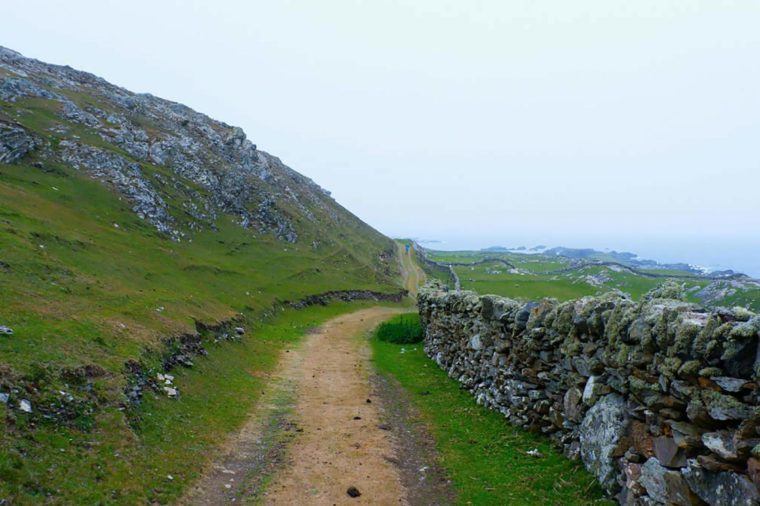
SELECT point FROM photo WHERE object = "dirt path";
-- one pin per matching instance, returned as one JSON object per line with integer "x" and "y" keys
{"x": 414, "y": 276}
{"x": 318, "y": 432}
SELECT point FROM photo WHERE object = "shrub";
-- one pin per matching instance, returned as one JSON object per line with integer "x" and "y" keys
{"x": 401, "y": 329}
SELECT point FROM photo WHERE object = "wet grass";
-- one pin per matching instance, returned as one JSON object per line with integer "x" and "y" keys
{"x": 483, "y": 455}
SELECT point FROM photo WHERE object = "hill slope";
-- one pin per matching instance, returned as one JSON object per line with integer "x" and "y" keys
{"x": 133, "y": 231}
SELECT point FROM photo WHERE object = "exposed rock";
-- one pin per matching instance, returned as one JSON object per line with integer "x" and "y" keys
{"x": 663, "y": 485}
{"x": 668, "y": 453}
{"x": 353, "y": 492}
{"x": 127, "y": 177}
{"x": 753, "y": 470}
{"x": 15, "y": 142}
{"x": 721, "y": 443}
{"x": 685, "y": 435}
{"x": 25, "y": 406}
{"x": 572, "y": 404}
{"x": 721, "y": 489}
{"x": 6, "y": 330}
{"x": 728, "y": 384}
{"x": 593, "y": 390}
{"x": 601, "y": 432}
{"x": 724, "y": 407}
{"x": 712, "y": 463}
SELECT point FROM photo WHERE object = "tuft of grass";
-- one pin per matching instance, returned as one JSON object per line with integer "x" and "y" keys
{"x": 401, "y": 329}
{"x": 484, "y": 456}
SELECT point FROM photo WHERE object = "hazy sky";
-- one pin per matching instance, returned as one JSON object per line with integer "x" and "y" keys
{"x": 481, "y": 122}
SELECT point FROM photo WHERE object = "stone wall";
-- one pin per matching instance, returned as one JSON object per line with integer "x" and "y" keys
{"x": 658, "y": 398}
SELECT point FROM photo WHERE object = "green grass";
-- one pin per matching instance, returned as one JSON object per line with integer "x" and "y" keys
{"x": 122, "y": 464}
{"x": 483, "y": 455}
{"x": 85, "y": 282}
{"x": 401, "y": 329}
{"x": 535, "y": 279}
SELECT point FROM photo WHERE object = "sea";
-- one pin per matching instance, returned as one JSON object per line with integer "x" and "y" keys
{"x": 740, "y": 254}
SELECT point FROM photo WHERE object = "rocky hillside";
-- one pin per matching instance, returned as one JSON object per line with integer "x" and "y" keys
{"x": 137, "y": 235}
{"x": 179, "y": 169}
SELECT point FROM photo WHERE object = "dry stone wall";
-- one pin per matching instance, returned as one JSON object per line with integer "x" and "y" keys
{"x": 658, "y": 398}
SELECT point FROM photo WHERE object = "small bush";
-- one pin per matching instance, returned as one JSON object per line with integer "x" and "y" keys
{"x": 402, "y": 329}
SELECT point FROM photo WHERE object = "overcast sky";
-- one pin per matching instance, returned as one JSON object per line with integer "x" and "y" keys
{"x": 479, "y": 122}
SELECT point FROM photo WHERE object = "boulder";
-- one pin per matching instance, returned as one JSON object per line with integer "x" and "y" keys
{"x": 723, "y": 407}
{"x": 664, "y": 485}
{"x": 722, "y": 488}
{"x": 601, "y": 439}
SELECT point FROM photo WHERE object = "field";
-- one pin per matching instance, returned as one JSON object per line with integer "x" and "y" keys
{"x": 535, "y": 276}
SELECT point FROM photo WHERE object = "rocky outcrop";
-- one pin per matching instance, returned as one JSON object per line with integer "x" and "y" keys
{"x": 658, "y": 398}
{"x": 124, "y": 176}
{"x": 157, "y": 152}
{"x": 15, "y": 142}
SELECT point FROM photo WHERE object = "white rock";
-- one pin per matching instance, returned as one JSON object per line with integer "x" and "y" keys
{"x": 25, "y": 406}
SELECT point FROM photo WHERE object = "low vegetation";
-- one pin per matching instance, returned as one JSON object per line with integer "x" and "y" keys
{"x": 150, "y": 459}
{"x": 488, "y": 461}
{"x": 536, "y": 276}
{"x": 96, "y": 295}
{"x": 401, "y": 329}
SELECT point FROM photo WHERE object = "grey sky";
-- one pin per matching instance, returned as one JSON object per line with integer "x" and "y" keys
{"x": 482, "y": 121}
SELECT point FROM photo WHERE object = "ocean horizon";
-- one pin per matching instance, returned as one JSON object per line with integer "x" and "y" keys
{"x": 712, "y": 254}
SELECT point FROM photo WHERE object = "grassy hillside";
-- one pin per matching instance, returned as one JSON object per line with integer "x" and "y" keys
{"x": 130, "y": 228}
